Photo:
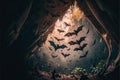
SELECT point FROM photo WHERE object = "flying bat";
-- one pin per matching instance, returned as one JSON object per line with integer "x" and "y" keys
{"x": 67, "y": 24}
{"x": 54, "y": 56}
{"x": 65, "y": 55}
{"x": 77, "y": 41}
{"x": 87, "y": 31}
{"x": 56, "y": 46}
{"x": 84, "y": 55}
{"x": 75, "y": 32}
{"x": 59, "y": 39}
{"x": 81, "y": 47}
{"x": 60, "y": 31}
{"x": 50, "y": 48}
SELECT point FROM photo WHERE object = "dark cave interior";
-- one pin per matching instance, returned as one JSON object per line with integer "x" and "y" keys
{"x": 60, "y": 40}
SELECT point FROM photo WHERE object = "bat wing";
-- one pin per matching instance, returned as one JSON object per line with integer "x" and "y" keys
{"x": 67, "y": 24}
{"x": 62, "y": 46}
{"x": 84, "y": 45}
{"x": 87, "y": 31}
{"x": 81, "y": 39}
{"x": 76, "y": 49}
{"x": 53, "y": 44}
{"x": 70, "y": 34}
{"x": 60, "y": 30}
{"x": 72, "y": 42}
{"x": 79, "y": 29}
{"x": 84, "y": 55}
{"x": 56, "y": 38}
{"x": 65, "y": 55}
{"x": 50, "y": 48}
{"x": 59, "y": 39}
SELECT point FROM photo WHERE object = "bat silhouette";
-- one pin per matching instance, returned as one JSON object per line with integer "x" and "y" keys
{"x": 87, "y": 31}
{"x": 75, "y": 32}
{"x": 65, "y": 55}
{"x": 67, "y": 24}
{"x": 60, "y": 31}
{"x": 81, "y": 47}
{"x": 77, "y": 41}
{"x": 94, "y": 42}
{"x": 54, "y": 56}
{"x": 59, "y": 39}
{"x": 84, "y": 55}
{"x": 50, "y": 48}
{"x": 56, "y": 46}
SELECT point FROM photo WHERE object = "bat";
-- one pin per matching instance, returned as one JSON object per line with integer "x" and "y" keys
{"x": 59, "y": 39}
{"x": 81, "y": 47}
{"x": 54, "y": 56}
{"x": 87, "y": 31}
{"x": 65, "y": 55}
{"x": 50, "y": 48}
{"x": 75, "y": 32}
{"x": 77, "y": 41}
{"x": 67, "y": 24}
{"x": 56, "y": 46}
{"x": 60, "y": 31}
{"x": 94, "y": 42}
{"x": 84, "y": 55}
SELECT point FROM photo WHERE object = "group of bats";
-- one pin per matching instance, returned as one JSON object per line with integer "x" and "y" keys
{"x": 78, "y": 42}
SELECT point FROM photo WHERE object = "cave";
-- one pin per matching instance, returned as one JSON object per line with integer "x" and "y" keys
{"x": 60, "y": 40}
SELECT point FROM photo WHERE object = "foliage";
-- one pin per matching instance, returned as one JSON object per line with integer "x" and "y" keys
{"x": 98, "y": 67}
{"x": 78, "y": 70}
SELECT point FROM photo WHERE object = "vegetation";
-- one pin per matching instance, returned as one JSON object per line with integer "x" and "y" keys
{"x": 79, "y": 70}
{"x": 98, "y": 67}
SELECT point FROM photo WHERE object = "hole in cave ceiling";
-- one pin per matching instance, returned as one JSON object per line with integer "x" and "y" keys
{"x": 73, "y": 43}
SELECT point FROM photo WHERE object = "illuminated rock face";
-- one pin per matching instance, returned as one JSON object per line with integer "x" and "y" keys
{"x": 73, "y": 43}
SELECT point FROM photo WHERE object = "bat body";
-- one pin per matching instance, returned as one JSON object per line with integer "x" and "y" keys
{"x": 81, "y": 47}
{"x": 60, "y": 31}
{"x": 84, "y": 55}
{"x": 87, "y": 31}
{"x": 75, "y": 32}
{"x": 67, "y": 24}
{"x": 56, "y": 46}
{"x": 70, "y": 34}
{"x": 77, "y": 41}
{"x": 59, "y": 39}
{"x": 65, "y": 55}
